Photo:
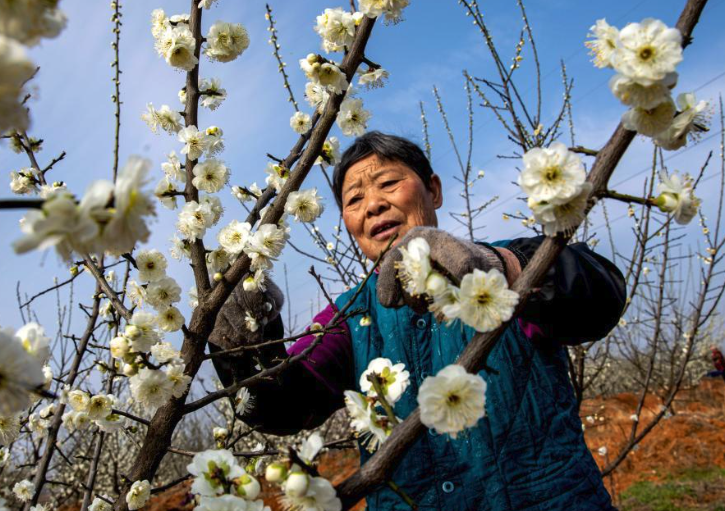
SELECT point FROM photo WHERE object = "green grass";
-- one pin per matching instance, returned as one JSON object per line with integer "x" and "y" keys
{"x": 677, "y": 493}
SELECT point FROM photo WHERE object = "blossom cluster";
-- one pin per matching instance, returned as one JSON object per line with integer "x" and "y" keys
{"x": 645, "y": 56}
{"x": 482, "y": 301}
{"x": 22, "y": 24}
{"x": 23, "y": 354}
{"x": 302, "y": 490}
{"x": 555, "y": 182}
{"x": 450, "y": 401}
{"x": 176, "y": 44}
{"x": 220, "y": 483}
{"x": 110, "y": 217}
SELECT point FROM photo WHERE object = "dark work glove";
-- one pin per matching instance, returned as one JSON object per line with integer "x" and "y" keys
{"x": 232, "y": 330}
{"x": 455, "y": 256}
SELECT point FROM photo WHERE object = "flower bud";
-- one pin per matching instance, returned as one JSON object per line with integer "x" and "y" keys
{"x": 130, "y": 369}
{"x": 218, "y": 277}
{"x": 247, "y": 487}
{"x": 220, "y": 433}
{"x": 74, "y": 270}
{"x": 132, "y": 331}
{"x": 276, "y": 472}
{"x": 667, "y": 202}
{"x": 311, "y": 58}
{"x": 296, "y": 485}
{"x": 120, "y": 347}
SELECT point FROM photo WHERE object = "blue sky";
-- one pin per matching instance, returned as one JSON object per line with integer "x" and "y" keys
{"x": 72, "y": 110}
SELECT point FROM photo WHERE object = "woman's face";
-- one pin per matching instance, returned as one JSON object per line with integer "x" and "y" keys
{"x": 383, "y": 198}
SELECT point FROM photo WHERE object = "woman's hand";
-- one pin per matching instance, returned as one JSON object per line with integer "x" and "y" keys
{"x": 454, "y": 256}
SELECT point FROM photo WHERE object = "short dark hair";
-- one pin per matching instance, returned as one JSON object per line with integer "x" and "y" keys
{"x": 386, "y": 148}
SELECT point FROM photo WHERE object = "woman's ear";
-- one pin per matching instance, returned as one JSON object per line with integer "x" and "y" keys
{"x": 436, "y": 189}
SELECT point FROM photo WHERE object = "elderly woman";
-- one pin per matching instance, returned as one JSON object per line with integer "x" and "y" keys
{"x": 528, "y": 452}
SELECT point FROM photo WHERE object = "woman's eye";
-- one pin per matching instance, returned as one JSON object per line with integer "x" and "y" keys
{"x": 389, "y": 183}
{"x": 352, "y": 200}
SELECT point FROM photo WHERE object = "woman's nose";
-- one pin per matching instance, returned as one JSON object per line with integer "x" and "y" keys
{"x": 375, "y": 204}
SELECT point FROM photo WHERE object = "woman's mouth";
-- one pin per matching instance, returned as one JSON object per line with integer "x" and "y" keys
{"x": 384, "y": 230}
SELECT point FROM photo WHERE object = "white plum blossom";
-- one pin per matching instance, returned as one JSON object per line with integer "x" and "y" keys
{"x": 127, "y": 225}
{"x": 196, "y": 142}
{"x": 647, "y": 51}
{"x": 172, "y": 168}
{"x": 99, "y": 504}
{"x": 59, "y": 223}
{"x": 23, "y": 182}
{"x": 690, "y": 119}
{"x": 394, "y": 379}
{"x": 316, "y": 95}
{"x": 17, "y": 69}
{"x": 676, "y": 196}
{"x": 265, "y": 245}
{"x": 305, "y": 205}
{"x": 170, "y": 319}
{"x": 215, "y": 206}
{"x": 250, "y": 193}
{"x": 336, "y": 27}
{"x": 206, "y": 4}
{"x": 79, "y": 400}
{"x": 100, "y": 406}
{"x": 111, "y": 423}
{"x": 250, "y": 322}
{"x": 631, "y": 93}
{"x": 163, "y": 292}
{"x": 300, "y": 122}
{"x": 484, "y": 300}
{"x": 330, "y": 154}
{"x": 276, "y": 175}
{"x": 33, "y": 339}
{"x": 552, "y": 173}
{"x": 650, "y": 122}
{"x": 159, "y": 22}
{"x": 20, "y": 373}
{"x": 393, "y": 9}
{"x": 234, "y": 236}
{"x": 210, "y": 175}
{"x": 216, "y": 142}
{"x": 319, "y": 495}
{"x": 179, "y": 380}
{"x": 226, "y": 41}
{"x": 325, "y": 73}
{"x": 120, "y": 346}
{"x": 212, "y": 93}
{"x": 255, "y": 281}
{"x": 561, "y": 217}
{"x": 141, "y": 331}
{"x": 373, "y": 78}
{"x": 244, "y": 401}
{"x": 176, "y": 45}
{"x": 223, "y": 503}
{"x": 218, "y": 260}
{"x": 138, "y": 495}
{"x": 372, "y": 428}
{"x": 165, "y": 191}
{"x": 31, "y": 20}
{"x": 212, "y": 471}
{"x": 195, "y": 219}
{"x": 164, "y": 118}
{"x": 180, "y": 248}
{"x": 24, "y": 490}
{"x": 164, "y": 352}
{"x": 604, "y": 42}
{"x": 414, "y": 266}
{"x": 150, "y": 388}
{"x": 352, "y": 118}
{"x": 452, "y": 400}
{"x": 151, "y": 265}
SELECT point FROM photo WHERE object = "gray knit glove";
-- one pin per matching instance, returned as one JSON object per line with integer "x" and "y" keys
{"x": 455, "y": 256}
